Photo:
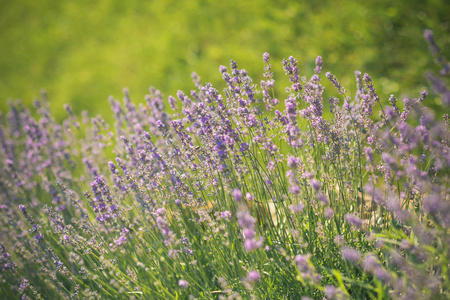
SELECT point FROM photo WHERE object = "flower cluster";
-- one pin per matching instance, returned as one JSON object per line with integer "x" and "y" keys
{"x": 234, "y": 194}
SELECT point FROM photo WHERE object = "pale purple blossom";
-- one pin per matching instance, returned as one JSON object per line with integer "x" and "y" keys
{"x": 183, "y": 284}
{"x": 350, "y": 254}
{"x": 253, "y": 276}
{"x": 296, "y": 208}
{"x": 237, "y": 194}
{"x": 225, "y": 215}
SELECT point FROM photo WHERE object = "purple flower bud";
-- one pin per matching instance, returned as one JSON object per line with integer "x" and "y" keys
{"x": 352, "y": 255}
{"x": 39, "y": 237}
{"x": 297, "y": 208}
{"x": 382, "y": 274}
{"x": 354, "y": 220}
{"x": 253, "y": 276}
{"x": 222, "y": 69}
{"x": 249, "y": 197}
{"x": 329, "y": 213}
{"x": 160, "y": 211}
{"x": 428, "y": 34}
{"x": 293, "y": 162}
{"x": 252, "y": 244}
{"x": 323, "y": 199}
{"x": 183, "y": 284}
{"x": 302, "y": 262}
{"x": 369, "y": 153}
{"x": 319, "y": 64}
{"x": 336, "y": 83}
{"x": 388, "y": 158}
{"x": 237, "y": 194}
{"x": 315, "y": 184}
{"x": 23, "y": 209}
{"x": 331, "y": 291}
{"x": 101, "y": 207}
{"x": 370, "y": 263}
{"x": 121, "y": 240}
{"x": 160, "y": 124}
{"x": 172, "y": 102}
{"x": 23, "y": 285}
{"x": 294, "y": 189}
{"x": 248, "y": 233}
{"x": 243, "y": 147}
{"x": 226, "y": 215}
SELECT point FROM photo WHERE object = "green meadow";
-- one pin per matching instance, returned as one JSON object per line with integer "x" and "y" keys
{"x": 81, "y": 52}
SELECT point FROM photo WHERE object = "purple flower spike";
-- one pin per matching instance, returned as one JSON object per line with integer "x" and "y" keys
{"x": 112, "y": 167}
{"x": 428, "y": 34}
{"x": 247, "y": 224}
{"x": 336, "y": 83}
{"x": 319, "y": 65}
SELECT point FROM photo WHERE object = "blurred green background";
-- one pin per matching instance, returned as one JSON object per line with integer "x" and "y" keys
{"x": 83, "y": 51}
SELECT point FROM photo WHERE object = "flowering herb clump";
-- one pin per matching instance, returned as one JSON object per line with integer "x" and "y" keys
{"x": 233, "y": 195}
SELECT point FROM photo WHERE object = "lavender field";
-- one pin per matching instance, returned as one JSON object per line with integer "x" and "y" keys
{"x": 241, "y": 193}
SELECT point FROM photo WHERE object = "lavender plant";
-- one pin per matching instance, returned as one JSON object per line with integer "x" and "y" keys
{"x": 231, "y": 196}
